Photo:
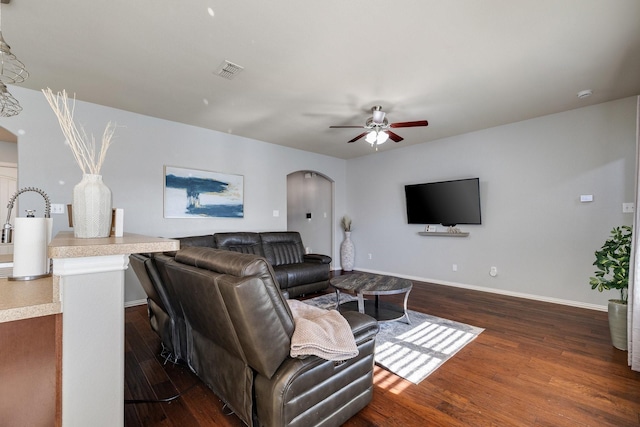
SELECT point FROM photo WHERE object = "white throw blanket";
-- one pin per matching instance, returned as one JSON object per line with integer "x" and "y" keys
{"x": 320, "y": 332}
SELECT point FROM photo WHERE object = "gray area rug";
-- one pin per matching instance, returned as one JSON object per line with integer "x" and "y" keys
{"x": 412, "y": 351}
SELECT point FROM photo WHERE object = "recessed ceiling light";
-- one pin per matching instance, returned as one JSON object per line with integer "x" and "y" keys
{"x": 210, "y": 11}
{"x": 585, "y": 93}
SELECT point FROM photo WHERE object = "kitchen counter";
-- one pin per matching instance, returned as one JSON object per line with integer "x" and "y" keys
{"x": 33, "y": 298}
{"x": 90, "y": 273}
{"x": 26, "y": 299}
{"x": 64, "y": 245}
{"x": 62, "y": 352}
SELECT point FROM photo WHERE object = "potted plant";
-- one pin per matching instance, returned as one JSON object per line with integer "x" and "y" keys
{"x": 612, "y": 263}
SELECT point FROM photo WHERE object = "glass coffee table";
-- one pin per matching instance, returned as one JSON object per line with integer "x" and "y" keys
{"x": 373, "y": 284}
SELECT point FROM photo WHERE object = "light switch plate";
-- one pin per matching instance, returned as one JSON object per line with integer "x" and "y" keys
{"x": 57, "y": 208}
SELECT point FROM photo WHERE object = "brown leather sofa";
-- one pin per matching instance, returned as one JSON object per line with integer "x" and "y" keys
{"x": 297, "y": 273}
{"x": 237, "y": 339}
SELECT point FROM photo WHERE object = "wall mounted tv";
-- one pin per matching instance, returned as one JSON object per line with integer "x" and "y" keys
{"x": 446, "y": 202}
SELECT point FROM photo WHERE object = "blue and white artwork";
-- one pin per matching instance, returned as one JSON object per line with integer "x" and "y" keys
{"x": 192, "y": 193}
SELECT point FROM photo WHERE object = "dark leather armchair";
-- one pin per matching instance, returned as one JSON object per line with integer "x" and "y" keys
{"x": 239, "y": 330}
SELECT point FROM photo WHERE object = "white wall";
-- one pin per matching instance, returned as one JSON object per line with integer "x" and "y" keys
{"x": 134, "y": 169}
{"x": 535, "y": 230}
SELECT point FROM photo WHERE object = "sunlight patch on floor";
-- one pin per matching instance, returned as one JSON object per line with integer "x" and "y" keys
{"x": 408, "y": 358}
{"x": 388, "y": 381}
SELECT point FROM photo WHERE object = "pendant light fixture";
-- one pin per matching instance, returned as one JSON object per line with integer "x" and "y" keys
{"x": 12, "y": 71}
{"x": 9, "y": 106}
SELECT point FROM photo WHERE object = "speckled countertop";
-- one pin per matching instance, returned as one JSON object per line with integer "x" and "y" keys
{"x": 64, "y": 245}
{"x": 26, "y": 299}
{"x": 34, "y": 298}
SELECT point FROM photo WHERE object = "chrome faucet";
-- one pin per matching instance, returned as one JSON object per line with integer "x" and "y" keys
{"x": 7, "y": 229}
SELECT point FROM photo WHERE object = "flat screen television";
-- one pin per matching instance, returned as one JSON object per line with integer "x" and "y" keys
{"x": 446, "y": 202}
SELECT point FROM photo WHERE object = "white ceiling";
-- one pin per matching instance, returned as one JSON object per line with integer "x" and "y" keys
{"x": 463, "y": 65}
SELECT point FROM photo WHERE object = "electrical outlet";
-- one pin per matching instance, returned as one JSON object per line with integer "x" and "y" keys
{"x": 454, "y": 267}
{"x": 628, "y": 208}
{"x": 493, "y": 272}
{"x": 370, "y": 256}
{"x": 57, "y": 208}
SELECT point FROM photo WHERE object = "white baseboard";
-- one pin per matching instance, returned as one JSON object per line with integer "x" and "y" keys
{"x": 134, "y": 303}
{"x": 495, "y": 291}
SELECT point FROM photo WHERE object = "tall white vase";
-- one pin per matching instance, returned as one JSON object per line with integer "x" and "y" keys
{"x": 91, "y": 208}
{"x": 347, "y": 252}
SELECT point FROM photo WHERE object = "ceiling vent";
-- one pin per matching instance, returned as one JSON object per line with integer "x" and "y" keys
{"x": 585, "y": 93}
{"x": 229, "y": 70}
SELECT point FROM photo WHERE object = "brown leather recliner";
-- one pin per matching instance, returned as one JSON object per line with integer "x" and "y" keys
{"x": 163, "y": 316}
{"x": 239, "y": 330}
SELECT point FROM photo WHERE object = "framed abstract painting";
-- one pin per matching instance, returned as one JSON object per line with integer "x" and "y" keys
{"x": 194, "y": 193}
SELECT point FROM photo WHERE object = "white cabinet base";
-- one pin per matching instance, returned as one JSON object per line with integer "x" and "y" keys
{"x": 92, "y": 339}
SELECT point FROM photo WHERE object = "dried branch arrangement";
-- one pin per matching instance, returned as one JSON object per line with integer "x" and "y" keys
{"x": 346, "y": 223}
{"x": 84, "y": 149}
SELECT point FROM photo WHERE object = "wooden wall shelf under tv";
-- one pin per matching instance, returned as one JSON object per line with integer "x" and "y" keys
{"x": 442, "y": 233}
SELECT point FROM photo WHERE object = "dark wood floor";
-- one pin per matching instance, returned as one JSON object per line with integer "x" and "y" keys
{"x": 536, "y": 364}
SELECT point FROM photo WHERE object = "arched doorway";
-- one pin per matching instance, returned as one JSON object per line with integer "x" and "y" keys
{"x": 310, "y": 210}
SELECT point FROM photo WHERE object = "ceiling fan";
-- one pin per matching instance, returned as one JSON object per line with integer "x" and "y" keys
{"x": 378, "y": 128}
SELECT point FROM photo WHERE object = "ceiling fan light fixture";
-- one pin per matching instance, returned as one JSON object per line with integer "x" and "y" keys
{"x": 377, "y": 137}
{"x": 382, "y": 138}
{"x": 371, "y": 137}
{"x": 378, "y": 116}
{"x": 377, "y": 128}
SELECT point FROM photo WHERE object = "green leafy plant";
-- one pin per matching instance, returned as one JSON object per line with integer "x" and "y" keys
{"x": 346, "y": 223}
{"x": 612, "y": 262}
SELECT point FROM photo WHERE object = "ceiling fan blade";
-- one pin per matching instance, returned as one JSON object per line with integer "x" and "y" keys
{"x": 394, "y": 136}
{"x": 409, "y": 124}
{"x": 359, "y": 136}
{"x": 338, "y": 127}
